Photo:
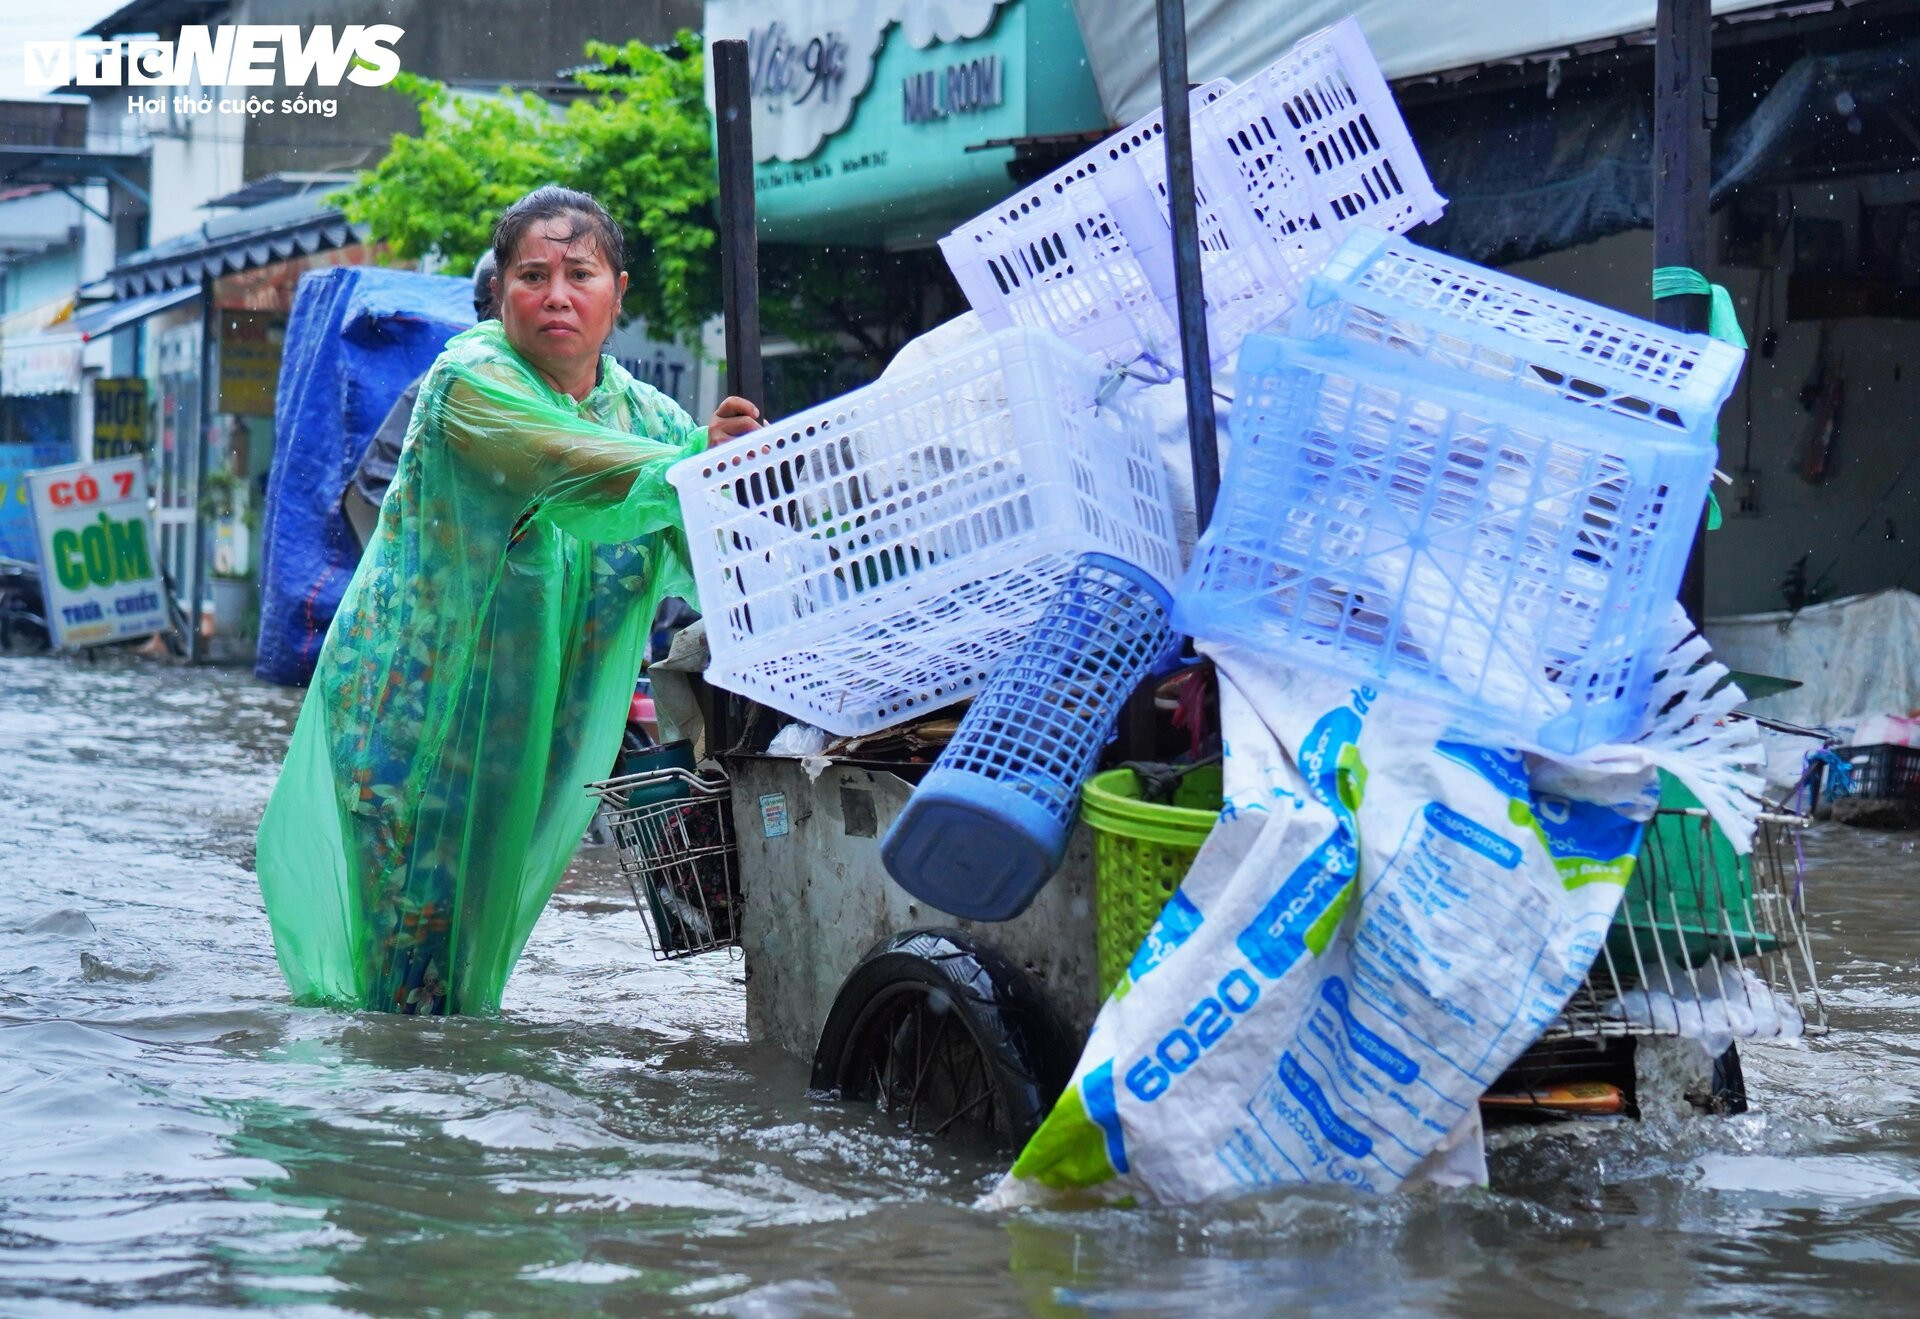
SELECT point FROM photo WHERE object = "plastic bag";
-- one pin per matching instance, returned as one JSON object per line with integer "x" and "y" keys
{"x": 798, "y": 740}
{"x": 476, "y": 676}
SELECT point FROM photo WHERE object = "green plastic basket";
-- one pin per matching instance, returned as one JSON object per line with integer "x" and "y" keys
{"x": 1691, "y": 897}
{"x": 1141, "y": 852}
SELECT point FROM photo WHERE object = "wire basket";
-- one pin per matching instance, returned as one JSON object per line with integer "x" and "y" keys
{"x": 1440, "y": 535}
{"x": 679, "y": 855}
{"x": 1705, "y": 942}
{"x": 871, "y": 559}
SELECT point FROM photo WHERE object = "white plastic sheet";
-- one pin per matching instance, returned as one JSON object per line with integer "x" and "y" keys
{"x": 1857, "y": 656}
{"x": 1231, "y": 39}
{"x": 1714, "y": 1005}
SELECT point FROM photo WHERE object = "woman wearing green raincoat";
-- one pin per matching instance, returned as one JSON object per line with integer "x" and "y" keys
{"x": 478, "y": 671}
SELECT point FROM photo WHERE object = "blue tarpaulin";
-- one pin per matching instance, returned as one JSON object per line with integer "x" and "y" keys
{"x": 356, "y": 338}
{"x": 16, "y": 512}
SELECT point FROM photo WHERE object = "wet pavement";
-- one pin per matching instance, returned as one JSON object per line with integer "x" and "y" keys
{"x": 175, "y": 1137}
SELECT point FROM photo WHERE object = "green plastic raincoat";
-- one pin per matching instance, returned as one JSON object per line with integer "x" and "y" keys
{"x": 476, "y": 676}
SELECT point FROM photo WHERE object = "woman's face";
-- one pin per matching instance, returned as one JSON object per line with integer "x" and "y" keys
{"x": 559, "y": 299}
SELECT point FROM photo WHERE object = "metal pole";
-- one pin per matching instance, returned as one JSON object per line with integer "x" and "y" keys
{"x": 1202, "y": 440}
{"x": 739, "y": 243}
{"x": 202, "y": 452}
{"x": 1684, "y": 98}
{"x": 739, "y": 284}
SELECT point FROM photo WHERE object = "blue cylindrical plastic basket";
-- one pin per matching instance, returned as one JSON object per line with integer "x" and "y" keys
{"x": 988, "y": 826}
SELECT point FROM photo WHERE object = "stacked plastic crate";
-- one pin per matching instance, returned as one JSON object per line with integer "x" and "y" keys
{"x": 1285, "y": 166}
{"x": 1466, "y": 487}
{"x": 880, "y": 556}
{"x": 871, "y": 560}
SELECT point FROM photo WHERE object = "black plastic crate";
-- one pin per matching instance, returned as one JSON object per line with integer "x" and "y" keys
{"x": 1884, "y": 771}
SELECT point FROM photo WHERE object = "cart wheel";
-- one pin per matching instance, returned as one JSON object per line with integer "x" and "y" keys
{"x": 947, "y": 1035}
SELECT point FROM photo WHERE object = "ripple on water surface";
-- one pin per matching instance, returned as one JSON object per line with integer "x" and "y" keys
{"x": 174, "y": 1134}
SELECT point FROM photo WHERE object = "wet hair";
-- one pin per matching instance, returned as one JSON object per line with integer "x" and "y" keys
{"x": 483, "y": 273}
{"x": 585, "y": 217}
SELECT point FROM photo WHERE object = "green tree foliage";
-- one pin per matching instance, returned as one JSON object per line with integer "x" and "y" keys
{"x": 639, "y": 141}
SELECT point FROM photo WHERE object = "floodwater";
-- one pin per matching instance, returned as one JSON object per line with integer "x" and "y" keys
{"x": 176, "y": 1138}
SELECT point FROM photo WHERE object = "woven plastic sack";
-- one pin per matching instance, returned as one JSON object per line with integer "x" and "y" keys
{"x": 476, "y": 675}
{"x": 1381, "y": 921}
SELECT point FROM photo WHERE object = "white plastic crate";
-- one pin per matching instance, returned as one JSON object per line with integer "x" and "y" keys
{"x": 1060, "y": 254}
{"x": 1446, "y": 537}
{"x": 1285, "y": 165}
{"x": 871, "y": 559}
{"x": 1291, "y": 161}
{"x": 1389, "y": 292}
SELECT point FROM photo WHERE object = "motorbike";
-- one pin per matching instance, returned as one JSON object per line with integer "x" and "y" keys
{"x": 23, "y": 608}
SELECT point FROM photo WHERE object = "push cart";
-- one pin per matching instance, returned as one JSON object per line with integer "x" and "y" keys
{"x": 970, "y": 1031}
{"x": 965, "y": 1029}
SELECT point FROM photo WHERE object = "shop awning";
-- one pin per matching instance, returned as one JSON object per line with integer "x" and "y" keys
{"x": 63, "y": 167}
{"x": 257, "y": 236}
{"x": 39, "y": 352}
{"x": 106, "y": 317}
{"x": 1227, "y": 38}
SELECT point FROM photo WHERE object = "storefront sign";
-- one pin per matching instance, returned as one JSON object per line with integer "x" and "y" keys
{"x": 96, "y": 552}
{"x": 47, "y": 367}
{"x": 250, "y": 344}
{"x": 810, "y": 61}
{"x": 785, "y": 72}
{"x": 872, "y": 119}
{"x": 119, "y": 417}
{"x": 965, "y": 88}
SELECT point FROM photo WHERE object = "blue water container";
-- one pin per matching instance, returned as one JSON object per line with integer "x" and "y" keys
{"x": 988, "y": 826}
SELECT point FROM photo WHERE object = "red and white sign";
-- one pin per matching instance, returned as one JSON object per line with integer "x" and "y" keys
{"x": 97, "y": 561}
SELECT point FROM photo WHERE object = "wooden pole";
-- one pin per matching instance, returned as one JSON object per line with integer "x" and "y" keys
{"x": 1685, "y": 105}
{"x": 739, "y": 243}
{"x": 1202, "y": 440}
{"x": 1682, "y": 141}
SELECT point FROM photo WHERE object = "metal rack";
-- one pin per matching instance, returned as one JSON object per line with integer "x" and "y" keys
{"x": 1705, "y": 940}
{"x": 679, "y": 855}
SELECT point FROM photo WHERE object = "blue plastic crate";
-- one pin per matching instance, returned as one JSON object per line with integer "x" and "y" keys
{"x": 1518, "y": 337}
{"x": 1507, "y": 558}
{"x": 989, "y": 824}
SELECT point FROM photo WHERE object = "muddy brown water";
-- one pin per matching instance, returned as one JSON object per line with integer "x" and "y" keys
{"x": 175, "y": 1137}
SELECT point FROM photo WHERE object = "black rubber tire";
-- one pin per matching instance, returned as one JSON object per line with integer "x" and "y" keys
{"x": 1026, "y": 1055}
